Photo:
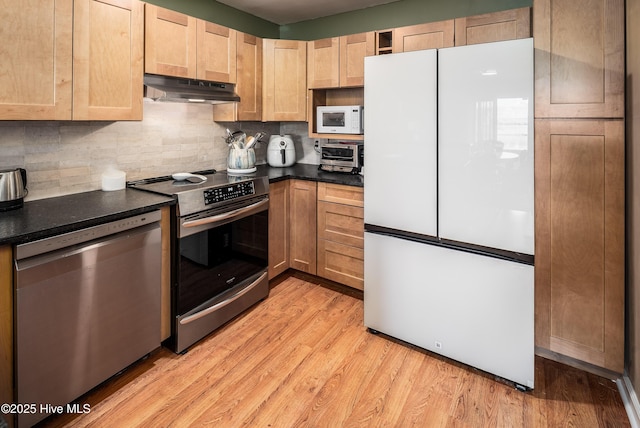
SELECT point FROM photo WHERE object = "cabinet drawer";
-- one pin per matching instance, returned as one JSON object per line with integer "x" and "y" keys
{"x": 341, "y": 223}
{"x": 341, "y": 263}
{"x": 341, "y": 194}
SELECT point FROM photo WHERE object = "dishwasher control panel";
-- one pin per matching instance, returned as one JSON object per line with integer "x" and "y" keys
{"x": 81, "y": 236}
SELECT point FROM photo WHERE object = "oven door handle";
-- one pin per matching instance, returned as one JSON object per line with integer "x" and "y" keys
{"x": 231, "y": 299}
{"x": 225, "y": 216}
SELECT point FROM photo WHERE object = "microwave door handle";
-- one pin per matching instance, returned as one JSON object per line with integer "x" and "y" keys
{"x": 225, "y": 216}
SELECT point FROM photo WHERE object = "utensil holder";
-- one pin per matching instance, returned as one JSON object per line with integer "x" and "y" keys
{"x": 241, "y": 158}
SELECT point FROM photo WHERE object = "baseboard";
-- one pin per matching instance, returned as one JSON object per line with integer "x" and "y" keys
{"x": 630, "y": 400}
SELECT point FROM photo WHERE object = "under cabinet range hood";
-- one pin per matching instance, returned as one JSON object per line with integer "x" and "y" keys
{"x": 176, "y": 89}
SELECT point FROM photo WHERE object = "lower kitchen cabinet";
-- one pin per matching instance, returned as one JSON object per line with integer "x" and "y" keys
{"x": 580, "y": 255}
{"x": 340, "y": 239}
{"x": 6, "y": 327}
{"x": 302, "y": 225}
{"x": 278, "y": 228}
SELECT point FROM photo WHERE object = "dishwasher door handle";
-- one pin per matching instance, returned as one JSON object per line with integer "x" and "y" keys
{"x": 231, "y": 299}
{"x": 225, "y": 216}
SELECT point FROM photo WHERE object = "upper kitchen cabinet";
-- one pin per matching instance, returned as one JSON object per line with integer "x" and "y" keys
{"x": 248, "y": 84}
{"x": 66, "y": 60}
{"x": 284, "y": 85}
{"x": 216, "y": 48}
{"x": 183, "y": 46}
{"x": 432, "y": 35}
{"x": 169, "y": 43}
{"x": 579, "y": 57}
{"x": 323, "y": 63}
{"x": 36, "y": 67}
{"x": 493, "y": 27}
{"x": 108, "y": 59}
{"x": 338, "y": 61}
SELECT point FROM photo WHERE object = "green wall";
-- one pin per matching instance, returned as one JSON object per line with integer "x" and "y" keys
{"x": 219, "y": 13}
{"x": 396, "y": 14}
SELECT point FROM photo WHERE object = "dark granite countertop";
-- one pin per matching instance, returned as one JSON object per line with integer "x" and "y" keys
{"x": 309, "y": 172}
{"x": 52, "y": 216}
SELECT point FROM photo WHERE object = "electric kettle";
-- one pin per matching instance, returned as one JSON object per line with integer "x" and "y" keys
{"x": 13, "y": 188}
{"x": 280, "y": 151}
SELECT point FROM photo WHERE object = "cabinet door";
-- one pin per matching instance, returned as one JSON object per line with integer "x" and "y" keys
{"x": 278, "y": 228}
{"x": 494, "y": 27}
{"x": 323, "y": 63}
{"x": 432, "y": 35}
{"x": 302, "y": 227}
{"x": 579, "y": 266}
{"x": 341, "y": 243}
{"x": 284, "y": 91}
{"x": 216, "y": 52}
{"x": 579, "y": 58}
{"x": 248, "y": 85}
{"x": 353, "y": 49}
{"x": 169, "y": 42}
{"x": 36, "y": 67}
{"x": 6, "y": 325}
{"x": 107, "y": 59}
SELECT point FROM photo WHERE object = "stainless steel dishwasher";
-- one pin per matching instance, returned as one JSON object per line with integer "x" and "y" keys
{"x": 87, "y": 306}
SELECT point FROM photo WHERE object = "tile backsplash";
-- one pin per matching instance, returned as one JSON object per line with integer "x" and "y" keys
{"x": 70, "y": 157}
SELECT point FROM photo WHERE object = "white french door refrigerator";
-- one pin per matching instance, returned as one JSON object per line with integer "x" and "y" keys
{"x": 448, "y": 203}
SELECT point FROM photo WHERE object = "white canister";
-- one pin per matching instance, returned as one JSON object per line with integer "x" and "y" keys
{"x": 113, "y": 179}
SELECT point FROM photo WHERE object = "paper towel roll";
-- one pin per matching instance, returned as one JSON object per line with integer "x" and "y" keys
{"x": 113, "y": 179}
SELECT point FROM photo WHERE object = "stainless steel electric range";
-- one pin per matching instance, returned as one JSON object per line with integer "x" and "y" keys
{"x": 219, "y": 230}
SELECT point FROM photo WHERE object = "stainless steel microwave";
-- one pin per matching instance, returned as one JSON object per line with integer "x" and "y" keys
{"x": 342, "y": 157}
{"x": 340, "y": 119}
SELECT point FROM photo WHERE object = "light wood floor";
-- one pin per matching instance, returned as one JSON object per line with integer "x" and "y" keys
{"x": 302, "y": 358}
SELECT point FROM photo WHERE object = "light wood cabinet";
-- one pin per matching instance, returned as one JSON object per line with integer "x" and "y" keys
{"x": 302, "y": 225}
{"x": 216, "y": 49}
{"x": 338, "y": 61}
{"x": 6, "y": 327}
{"x": 432, "y": 35}
{"x": 341, "y": 234}
{"x": 170, "y": 40}
{"x": 323, "y": 63}
{"x": 36, "y": 67}
{"x": 493, "y": 27}
{"x": 579, "y": 179}
{"x": 353, "y": 49}
{"x": 580, "y": 239}
{"x": 579, "y": 57}
{"x": 180, "y": 45}
{"x": 108, "y": 60}
{"x": 65, "y": 60}
{"x": 248, "y": 85}
{"x": 336, "y": 75}
{"x": 278, "y": 228}
{"x": 284, "y": 90}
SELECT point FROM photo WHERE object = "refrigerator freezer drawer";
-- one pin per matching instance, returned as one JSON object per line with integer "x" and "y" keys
{"x": 474, "y": 309}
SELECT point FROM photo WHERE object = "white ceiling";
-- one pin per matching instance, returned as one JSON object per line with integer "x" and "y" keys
{"x": 290, "y": 11}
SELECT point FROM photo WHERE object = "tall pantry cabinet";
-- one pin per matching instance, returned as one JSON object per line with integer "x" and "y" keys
{"x": 579, "y": 178}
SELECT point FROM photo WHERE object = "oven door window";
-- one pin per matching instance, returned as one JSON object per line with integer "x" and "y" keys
{"x": 333, "y": 119}
{"x": 219, "y": 258}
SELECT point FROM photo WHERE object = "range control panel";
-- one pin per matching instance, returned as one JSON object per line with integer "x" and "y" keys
{"x": 228, "y": 192}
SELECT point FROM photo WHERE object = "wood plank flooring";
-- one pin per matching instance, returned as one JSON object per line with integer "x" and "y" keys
{"x": 302, "y": 358}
